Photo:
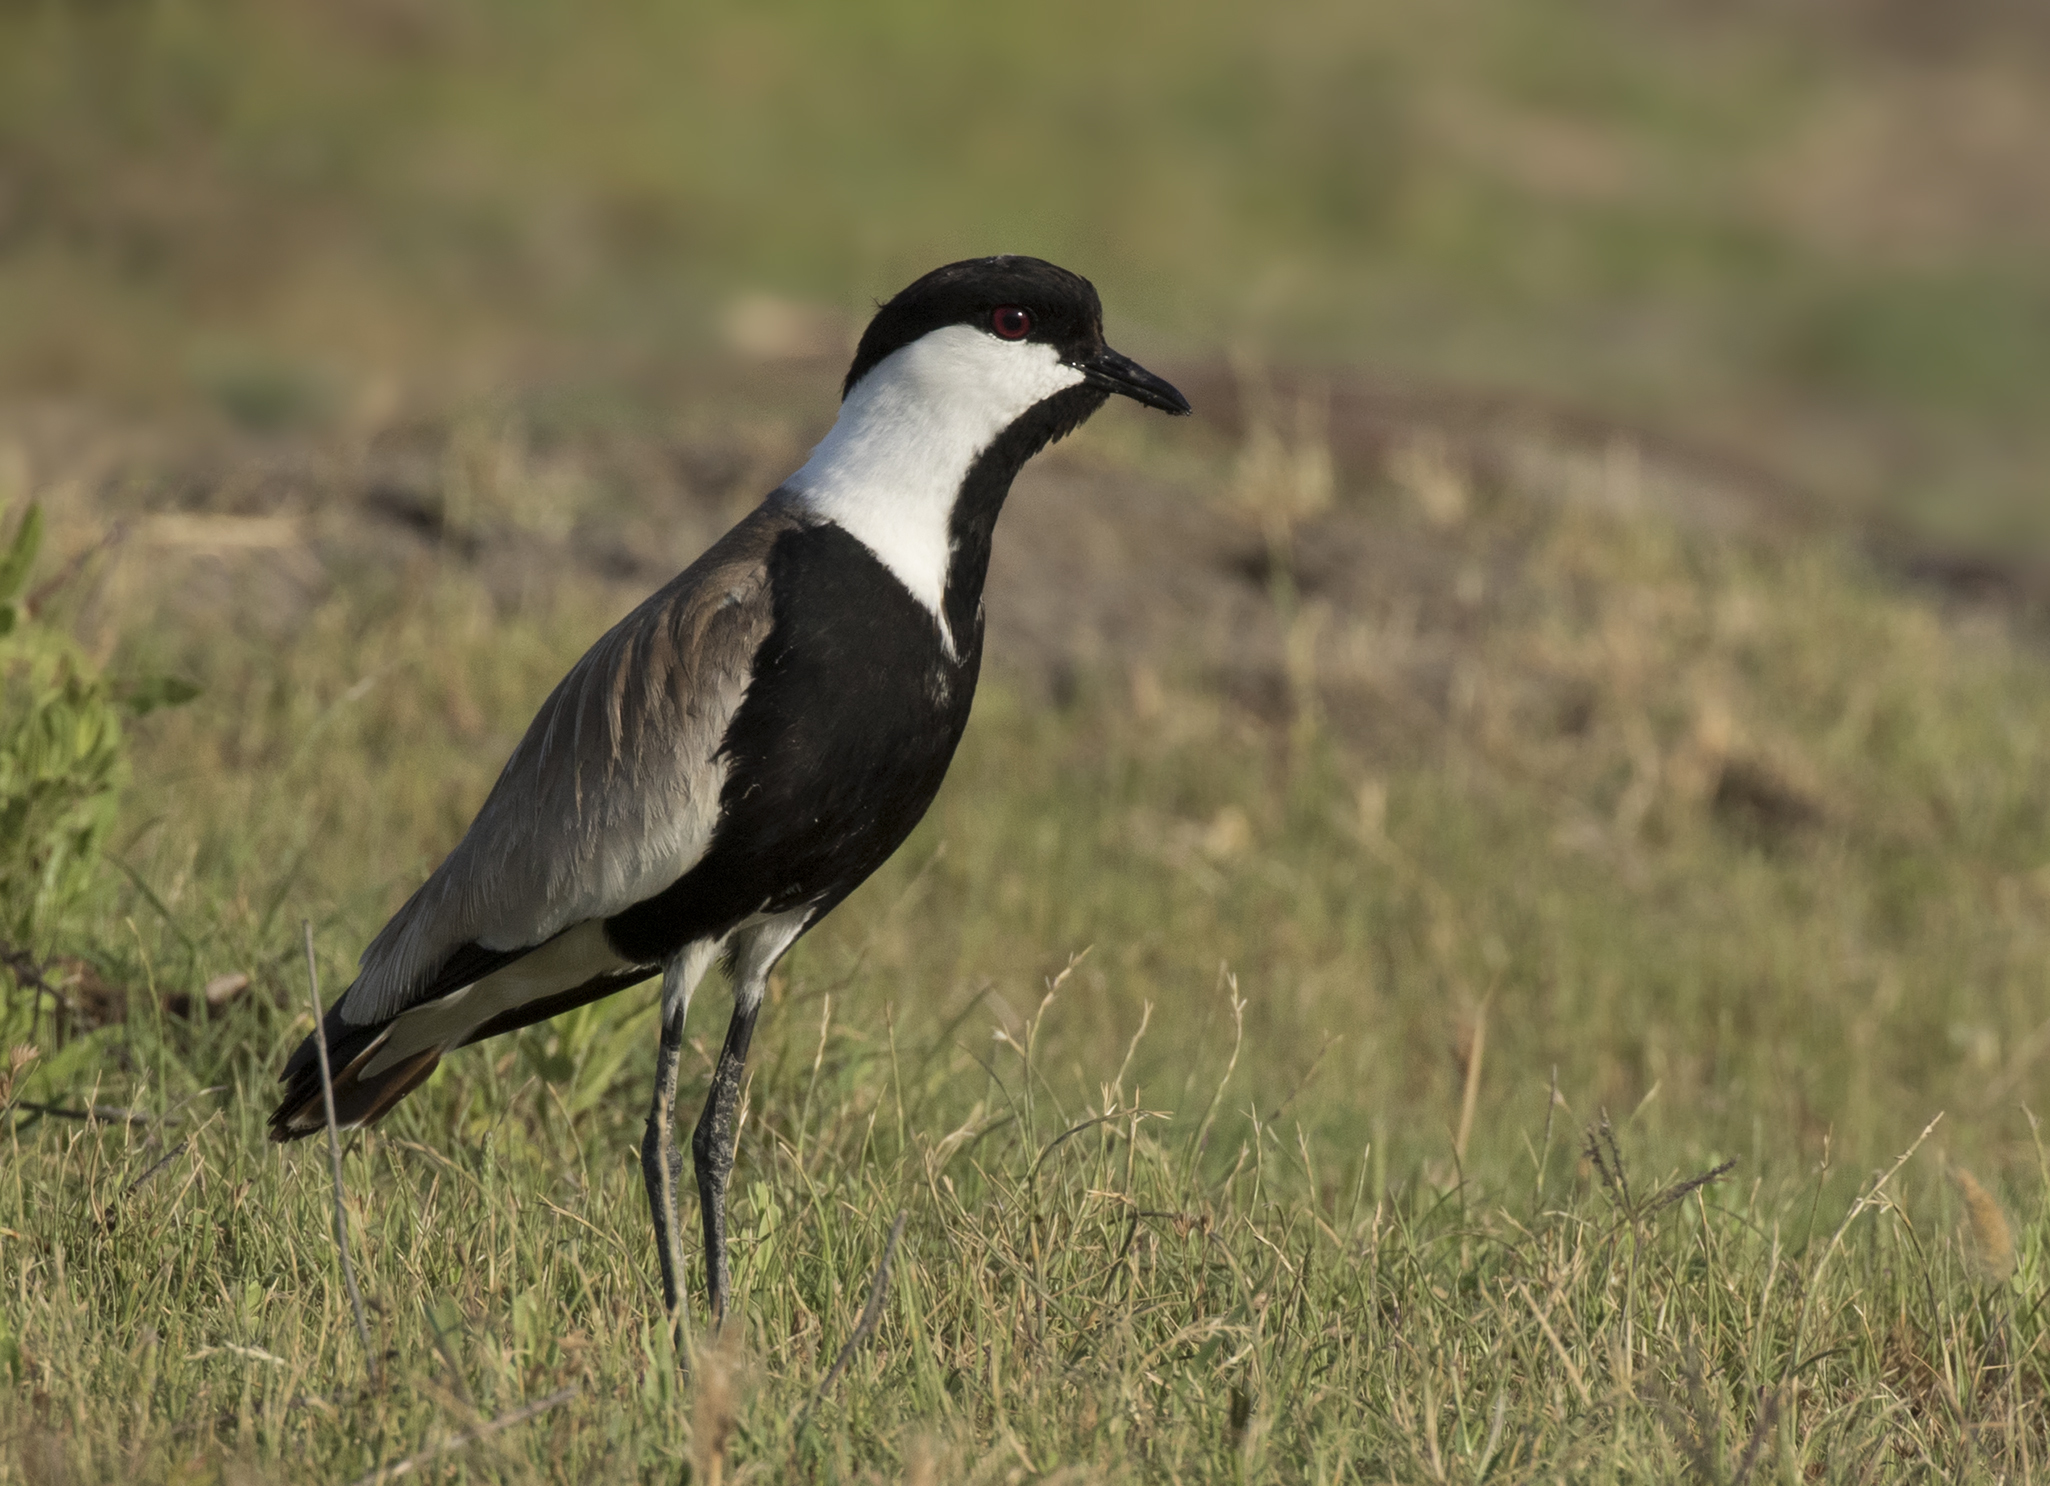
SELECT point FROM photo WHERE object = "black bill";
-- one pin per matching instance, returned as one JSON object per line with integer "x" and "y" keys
{"x": 1121, "y": 374}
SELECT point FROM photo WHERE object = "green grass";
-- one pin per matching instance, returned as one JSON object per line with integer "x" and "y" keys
{"x": 1121, "y": 1305}
{"x": 1727, "y": 844}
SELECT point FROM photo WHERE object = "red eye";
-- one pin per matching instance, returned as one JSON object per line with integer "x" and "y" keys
{"x": 1011, "y": 321}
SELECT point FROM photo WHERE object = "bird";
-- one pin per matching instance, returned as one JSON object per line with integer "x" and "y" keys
{"x": 741, "y": 751}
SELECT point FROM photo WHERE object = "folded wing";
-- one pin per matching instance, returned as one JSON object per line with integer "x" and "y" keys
{"x": 610, "y": 797}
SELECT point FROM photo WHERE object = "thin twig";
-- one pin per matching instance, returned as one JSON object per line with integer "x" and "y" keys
{"x": 27, "y": 969}
{"x": 165, "y": 1160}
{"x": 334, "y": 1151}
{"x": 870, "y": 1314}
{"x": 519, "y": 1415}
{"x": 106, "y": 1114}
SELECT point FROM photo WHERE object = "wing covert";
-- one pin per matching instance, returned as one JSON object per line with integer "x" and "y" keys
{"x": 614, "y": 790}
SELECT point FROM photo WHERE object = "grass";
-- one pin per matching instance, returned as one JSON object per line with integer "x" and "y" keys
{"x": 1074, "y": 1297}
{"x": 1294, "y": 1079}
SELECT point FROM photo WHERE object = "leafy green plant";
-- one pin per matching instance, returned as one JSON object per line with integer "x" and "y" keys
{"x": 583, "y": 1052}
{"x": 63, "y": 754}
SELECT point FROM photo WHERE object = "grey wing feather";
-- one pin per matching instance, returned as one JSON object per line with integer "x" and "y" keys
{"x": 614, "y": 791}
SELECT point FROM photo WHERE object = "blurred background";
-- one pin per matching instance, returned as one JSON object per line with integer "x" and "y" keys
{"x": 1601, "y": 600}
{"x": 1814, "y": 233}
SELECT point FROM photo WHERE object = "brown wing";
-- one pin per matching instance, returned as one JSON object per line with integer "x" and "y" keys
{"x": 613, "y": 792}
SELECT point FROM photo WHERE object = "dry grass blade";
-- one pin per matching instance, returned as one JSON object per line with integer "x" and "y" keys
{"x": 1230, "y": 983}
{"x": 1558, "y": 1347}
{"x": 1498, "y": 1417}
{"x": 334, "y": 1152}
{"x": 1870, "y": 1198}
{"x": 1537, "y": 1181}
{"x": 468, "y": 1437}
{"x": 1470, "y": 1094}
{"x": 870, "y": 1314}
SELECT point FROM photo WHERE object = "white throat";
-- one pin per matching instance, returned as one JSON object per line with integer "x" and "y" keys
{"x": 889, "y": 472}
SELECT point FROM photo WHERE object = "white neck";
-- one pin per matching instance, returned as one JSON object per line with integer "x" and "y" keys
{"x": 889, "y": 472}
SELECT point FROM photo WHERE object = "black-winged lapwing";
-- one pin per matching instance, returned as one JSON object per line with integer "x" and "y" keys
{"x": 736, "y": 755}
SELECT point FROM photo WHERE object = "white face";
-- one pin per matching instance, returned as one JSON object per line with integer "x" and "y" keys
{"x": 907, "y": 434}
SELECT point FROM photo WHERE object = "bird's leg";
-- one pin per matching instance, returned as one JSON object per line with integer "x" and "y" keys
{"x": 662, "y": 1165}
{"x": 661, "y": 1161}
{"x": 712, "y": 1146}
{"x": 755, "y": 952}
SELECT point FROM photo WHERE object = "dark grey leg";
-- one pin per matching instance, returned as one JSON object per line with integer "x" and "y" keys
{"x": 661, "y": 1161}
{"x": 755, "y": 952}
{"x": 712, "y": 1146}
{"x": 662, "y": 1165}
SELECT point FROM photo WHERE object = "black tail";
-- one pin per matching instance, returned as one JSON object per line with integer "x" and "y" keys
{"x": 359, "y": 1100}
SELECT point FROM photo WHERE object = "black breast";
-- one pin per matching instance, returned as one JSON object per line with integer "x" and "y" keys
{"x": 843, "y": 738}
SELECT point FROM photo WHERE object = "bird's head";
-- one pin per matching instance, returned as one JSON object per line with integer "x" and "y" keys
{"x": 1009, "y": 330}
{"x": 957, "y": 382}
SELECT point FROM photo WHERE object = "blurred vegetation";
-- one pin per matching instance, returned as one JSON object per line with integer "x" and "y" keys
{"x": 62, "y": 763}
{"x": 63, "y": 757}
{"x": 1816, "y": 230}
